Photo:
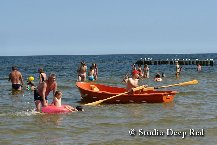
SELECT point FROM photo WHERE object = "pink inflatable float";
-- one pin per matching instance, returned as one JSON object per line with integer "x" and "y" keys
{"x": 54, "y": 109}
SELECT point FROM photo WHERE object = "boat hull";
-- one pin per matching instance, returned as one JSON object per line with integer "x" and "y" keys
{"x": 151, "y": 96}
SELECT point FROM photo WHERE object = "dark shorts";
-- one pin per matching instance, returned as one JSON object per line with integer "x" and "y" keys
{"x": 16, "y": 86}
{"x": 37, "y": 96}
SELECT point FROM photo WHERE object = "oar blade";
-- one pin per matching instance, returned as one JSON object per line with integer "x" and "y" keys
{"x": 193, "y": 82}
{"x": 94, "y": 103}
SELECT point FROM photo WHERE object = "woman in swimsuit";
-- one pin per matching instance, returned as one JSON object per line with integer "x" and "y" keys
{"x": 140, "y": 70}
{"x": 95, "y": 68}
{"x": 42, "y": 76}
{"x": 82, "y": 72}
{"x": 146, "y": 71}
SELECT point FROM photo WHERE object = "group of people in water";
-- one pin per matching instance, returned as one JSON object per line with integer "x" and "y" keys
{"x": 92, "y": 74}
{"x": 42, "y": 90}
{"x": 49, "y": 84}
{"x": 141, "y": 73}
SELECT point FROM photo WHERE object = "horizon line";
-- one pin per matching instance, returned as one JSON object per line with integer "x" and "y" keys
{"x": 106, "y": 54}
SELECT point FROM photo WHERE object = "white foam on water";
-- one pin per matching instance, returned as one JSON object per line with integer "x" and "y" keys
{"x": 28, "y": 113}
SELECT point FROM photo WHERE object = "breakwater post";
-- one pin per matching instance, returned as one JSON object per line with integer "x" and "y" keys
{"x": 149, "y": 61}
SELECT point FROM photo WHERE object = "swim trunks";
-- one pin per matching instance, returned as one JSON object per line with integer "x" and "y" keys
{"x": 16, "y": 86}
{"x": 37, "y": 96}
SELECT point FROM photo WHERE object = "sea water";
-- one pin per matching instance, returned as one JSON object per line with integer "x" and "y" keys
{"x": 193, "y": 109}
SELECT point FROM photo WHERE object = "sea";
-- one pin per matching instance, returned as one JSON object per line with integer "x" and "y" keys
{"x": 190, "y": 119}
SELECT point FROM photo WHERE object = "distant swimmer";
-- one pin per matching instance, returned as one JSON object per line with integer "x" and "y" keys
{"x": 146, "y": 71}
{"x": 82, "y": 72}
{"x": 158, "y": 78}
{"x": 178, "y": 68}
{"x": 199, "y": 67}
{"x": 133, "y": 67}
{"x": 140, "y": 70}
{"x": 16, "y": 79}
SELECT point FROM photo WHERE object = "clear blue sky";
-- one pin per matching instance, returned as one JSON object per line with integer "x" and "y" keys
{"x": 41, "y": 27}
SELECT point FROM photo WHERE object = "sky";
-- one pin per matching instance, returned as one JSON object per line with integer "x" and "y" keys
{"x": 93, "y": 27}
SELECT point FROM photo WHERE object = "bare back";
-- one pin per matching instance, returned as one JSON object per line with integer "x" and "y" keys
{"x": 47, "y": 87}
{"x": 42, "y": 77}
{"x": 15, "y": 77}
{"x": 57, "y": 102}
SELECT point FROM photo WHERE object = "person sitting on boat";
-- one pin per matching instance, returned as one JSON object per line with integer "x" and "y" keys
{"x": 133, "y": 82}
{"x": 158, "y": 78}
{"x": 91, "y": 74}
{"x": 57, "y": 101}
{"x": 82, "y": 72}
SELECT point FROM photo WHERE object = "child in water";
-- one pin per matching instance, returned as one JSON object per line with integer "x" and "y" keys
{"x": 58, "y": 99}
{"x": 91, "y": 74}
{"x": 30, "y": 84}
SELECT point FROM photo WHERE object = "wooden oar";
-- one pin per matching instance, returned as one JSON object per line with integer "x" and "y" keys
{"x": 193, "y": 82}
{"x": 100, "y": 101}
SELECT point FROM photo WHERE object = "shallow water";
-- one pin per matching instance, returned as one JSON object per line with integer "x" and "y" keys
{"x": 194, "y": 107}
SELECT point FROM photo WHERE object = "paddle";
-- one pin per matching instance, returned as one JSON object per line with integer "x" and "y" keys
{"x": 193, "y": 82}
{"x": 100, "y": 101}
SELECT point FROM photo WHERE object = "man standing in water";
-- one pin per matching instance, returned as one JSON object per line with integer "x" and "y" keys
{"x": 16, "y": 79}
{"x": 43, "y": 90}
